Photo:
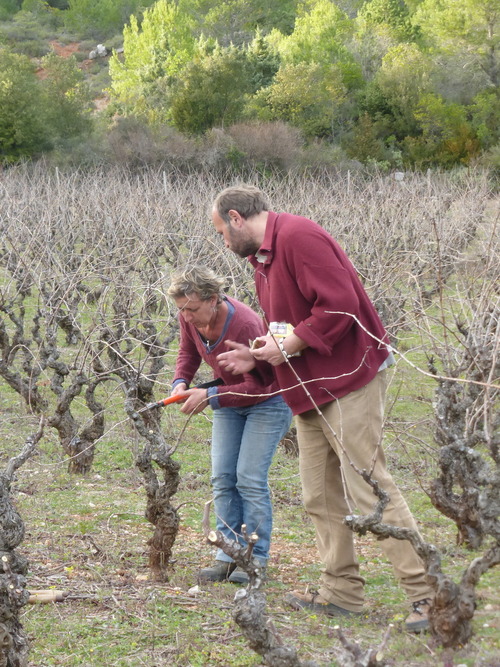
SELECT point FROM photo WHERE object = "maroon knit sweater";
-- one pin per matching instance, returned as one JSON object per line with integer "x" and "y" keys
{"x": 308, "y": 281}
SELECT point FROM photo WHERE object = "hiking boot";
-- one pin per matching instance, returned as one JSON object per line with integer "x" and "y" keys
{"x": 219, "y": 571}
{"x": 239, "y": 576}
{"x": 315, "y": 602}
{"x": 418, "y": 620}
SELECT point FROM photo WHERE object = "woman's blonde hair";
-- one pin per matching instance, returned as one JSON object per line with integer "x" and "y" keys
{"x": 197, "y": 279}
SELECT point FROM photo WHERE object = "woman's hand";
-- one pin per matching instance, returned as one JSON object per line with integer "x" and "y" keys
{"x": 196, "y": 401}
{"x": 179, "y": 388}
{"x": 237, "y": 360}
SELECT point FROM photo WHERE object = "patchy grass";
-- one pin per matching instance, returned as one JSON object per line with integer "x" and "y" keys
{"x": 87, "y": 537}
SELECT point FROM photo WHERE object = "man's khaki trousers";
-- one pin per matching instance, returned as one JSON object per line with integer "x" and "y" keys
{"x": 332, "y": 489}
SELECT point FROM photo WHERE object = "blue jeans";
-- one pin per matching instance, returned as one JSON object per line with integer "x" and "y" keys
{"x": 243, "y": 444}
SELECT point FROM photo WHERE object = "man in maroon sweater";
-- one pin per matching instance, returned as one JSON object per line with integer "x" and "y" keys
{"x": 330, "y": 364}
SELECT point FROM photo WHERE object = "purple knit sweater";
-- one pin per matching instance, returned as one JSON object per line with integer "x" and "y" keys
{"x": 242, "y": 325}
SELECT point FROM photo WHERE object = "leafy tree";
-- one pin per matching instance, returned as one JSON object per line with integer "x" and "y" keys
{"x": 235, "y": 21}
{"x": 154, "y": 53}
{"x": 485, "y": 117}
{"x": 374, "y": 102}
{"x": 309, "y": 96}
{"x": 393, "y": 13}
{"x": 37, "y": 114}
{"x": 263, "y": 62}
{"x": 8, "y": 8}
{"x": 369, "y": 44}
{"x": 22, "y": 127}
{"x": 405, "y": 75}
{"x": 455, "y": 81}
{"x": 350, "y": 7}
{"x": 470, "y": 27}
{"x": 213, "y": 89}
{"x": 210, "y": 91}
{"x": 320, "y": 33}
{"x": 316, "y": 52}
{"x": 66, "y": 97}
{"x": 364, "y": 143}
{"x": 100, "y": 18}
{"x": 447, "y": 138}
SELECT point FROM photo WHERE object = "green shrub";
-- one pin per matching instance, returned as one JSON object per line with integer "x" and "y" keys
{"x": 26, "y": 36}
{"x": 447, "y": 135}
{"x": 491, "y": 161}
{"x": 210, "y": 91}
{"x": 22, "y": 124}
{"x": 38, "y": 114}
{"x": 42, "y": 12}
{"x": 8, "y": 8}
{"x": 364, "y": 143}
{"x": 100, "y": 18}
{"x": 66, "y": 98}
{"x": 308, "y": 96}
{"x": 485, "y": 117}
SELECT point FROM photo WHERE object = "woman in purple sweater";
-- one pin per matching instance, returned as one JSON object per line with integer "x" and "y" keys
{"x": 249, "y": 416}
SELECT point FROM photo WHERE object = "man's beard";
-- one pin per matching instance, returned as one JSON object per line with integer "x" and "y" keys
{"x": 246, "y": 250}
{"x": 243, "y": 247}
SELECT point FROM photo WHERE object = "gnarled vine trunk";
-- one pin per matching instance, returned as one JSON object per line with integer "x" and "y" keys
{"x": 13, "y": 566}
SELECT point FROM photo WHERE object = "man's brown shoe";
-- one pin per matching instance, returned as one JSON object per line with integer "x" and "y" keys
{"x": 418, "y": 620}
{"x": 219, "y": 571}
{"x": 315, "y": 602}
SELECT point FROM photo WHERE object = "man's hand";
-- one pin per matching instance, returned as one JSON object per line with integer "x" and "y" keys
{"x": 196, "y": 401}
{"x": 238, "y": 359}
{"x": 266, "y": 349}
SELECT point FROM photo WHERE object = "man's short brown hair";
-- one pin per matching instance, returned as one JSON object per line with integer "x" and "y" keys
{"x": 246, "y": 199}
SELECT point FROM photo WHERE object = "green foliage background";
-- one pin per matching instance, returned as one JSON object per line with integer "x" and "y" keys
{"x": 397, "y": 84}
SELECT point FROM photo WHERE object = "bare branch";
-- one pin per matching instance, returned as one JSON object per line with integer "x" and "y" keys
{"x": 250, "y": 603}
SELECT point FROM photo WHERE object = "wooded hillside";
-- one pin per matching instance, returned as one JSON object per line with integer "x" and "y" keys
{"x": 388, "y": 83}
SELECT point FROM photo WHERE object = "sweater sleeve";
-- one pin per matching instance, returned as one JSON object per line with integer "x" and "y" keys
{"x": 248, "y": 392}
{"x": 324, "y": 278}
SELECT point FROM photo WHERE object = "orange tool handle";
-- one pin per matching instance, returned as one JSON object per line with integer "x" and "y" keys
{"x": 171, "y": 399}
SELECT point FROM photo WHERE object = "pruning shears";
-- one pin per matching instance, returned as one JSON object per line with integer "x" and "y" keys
{"x": 180, "y": 397}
